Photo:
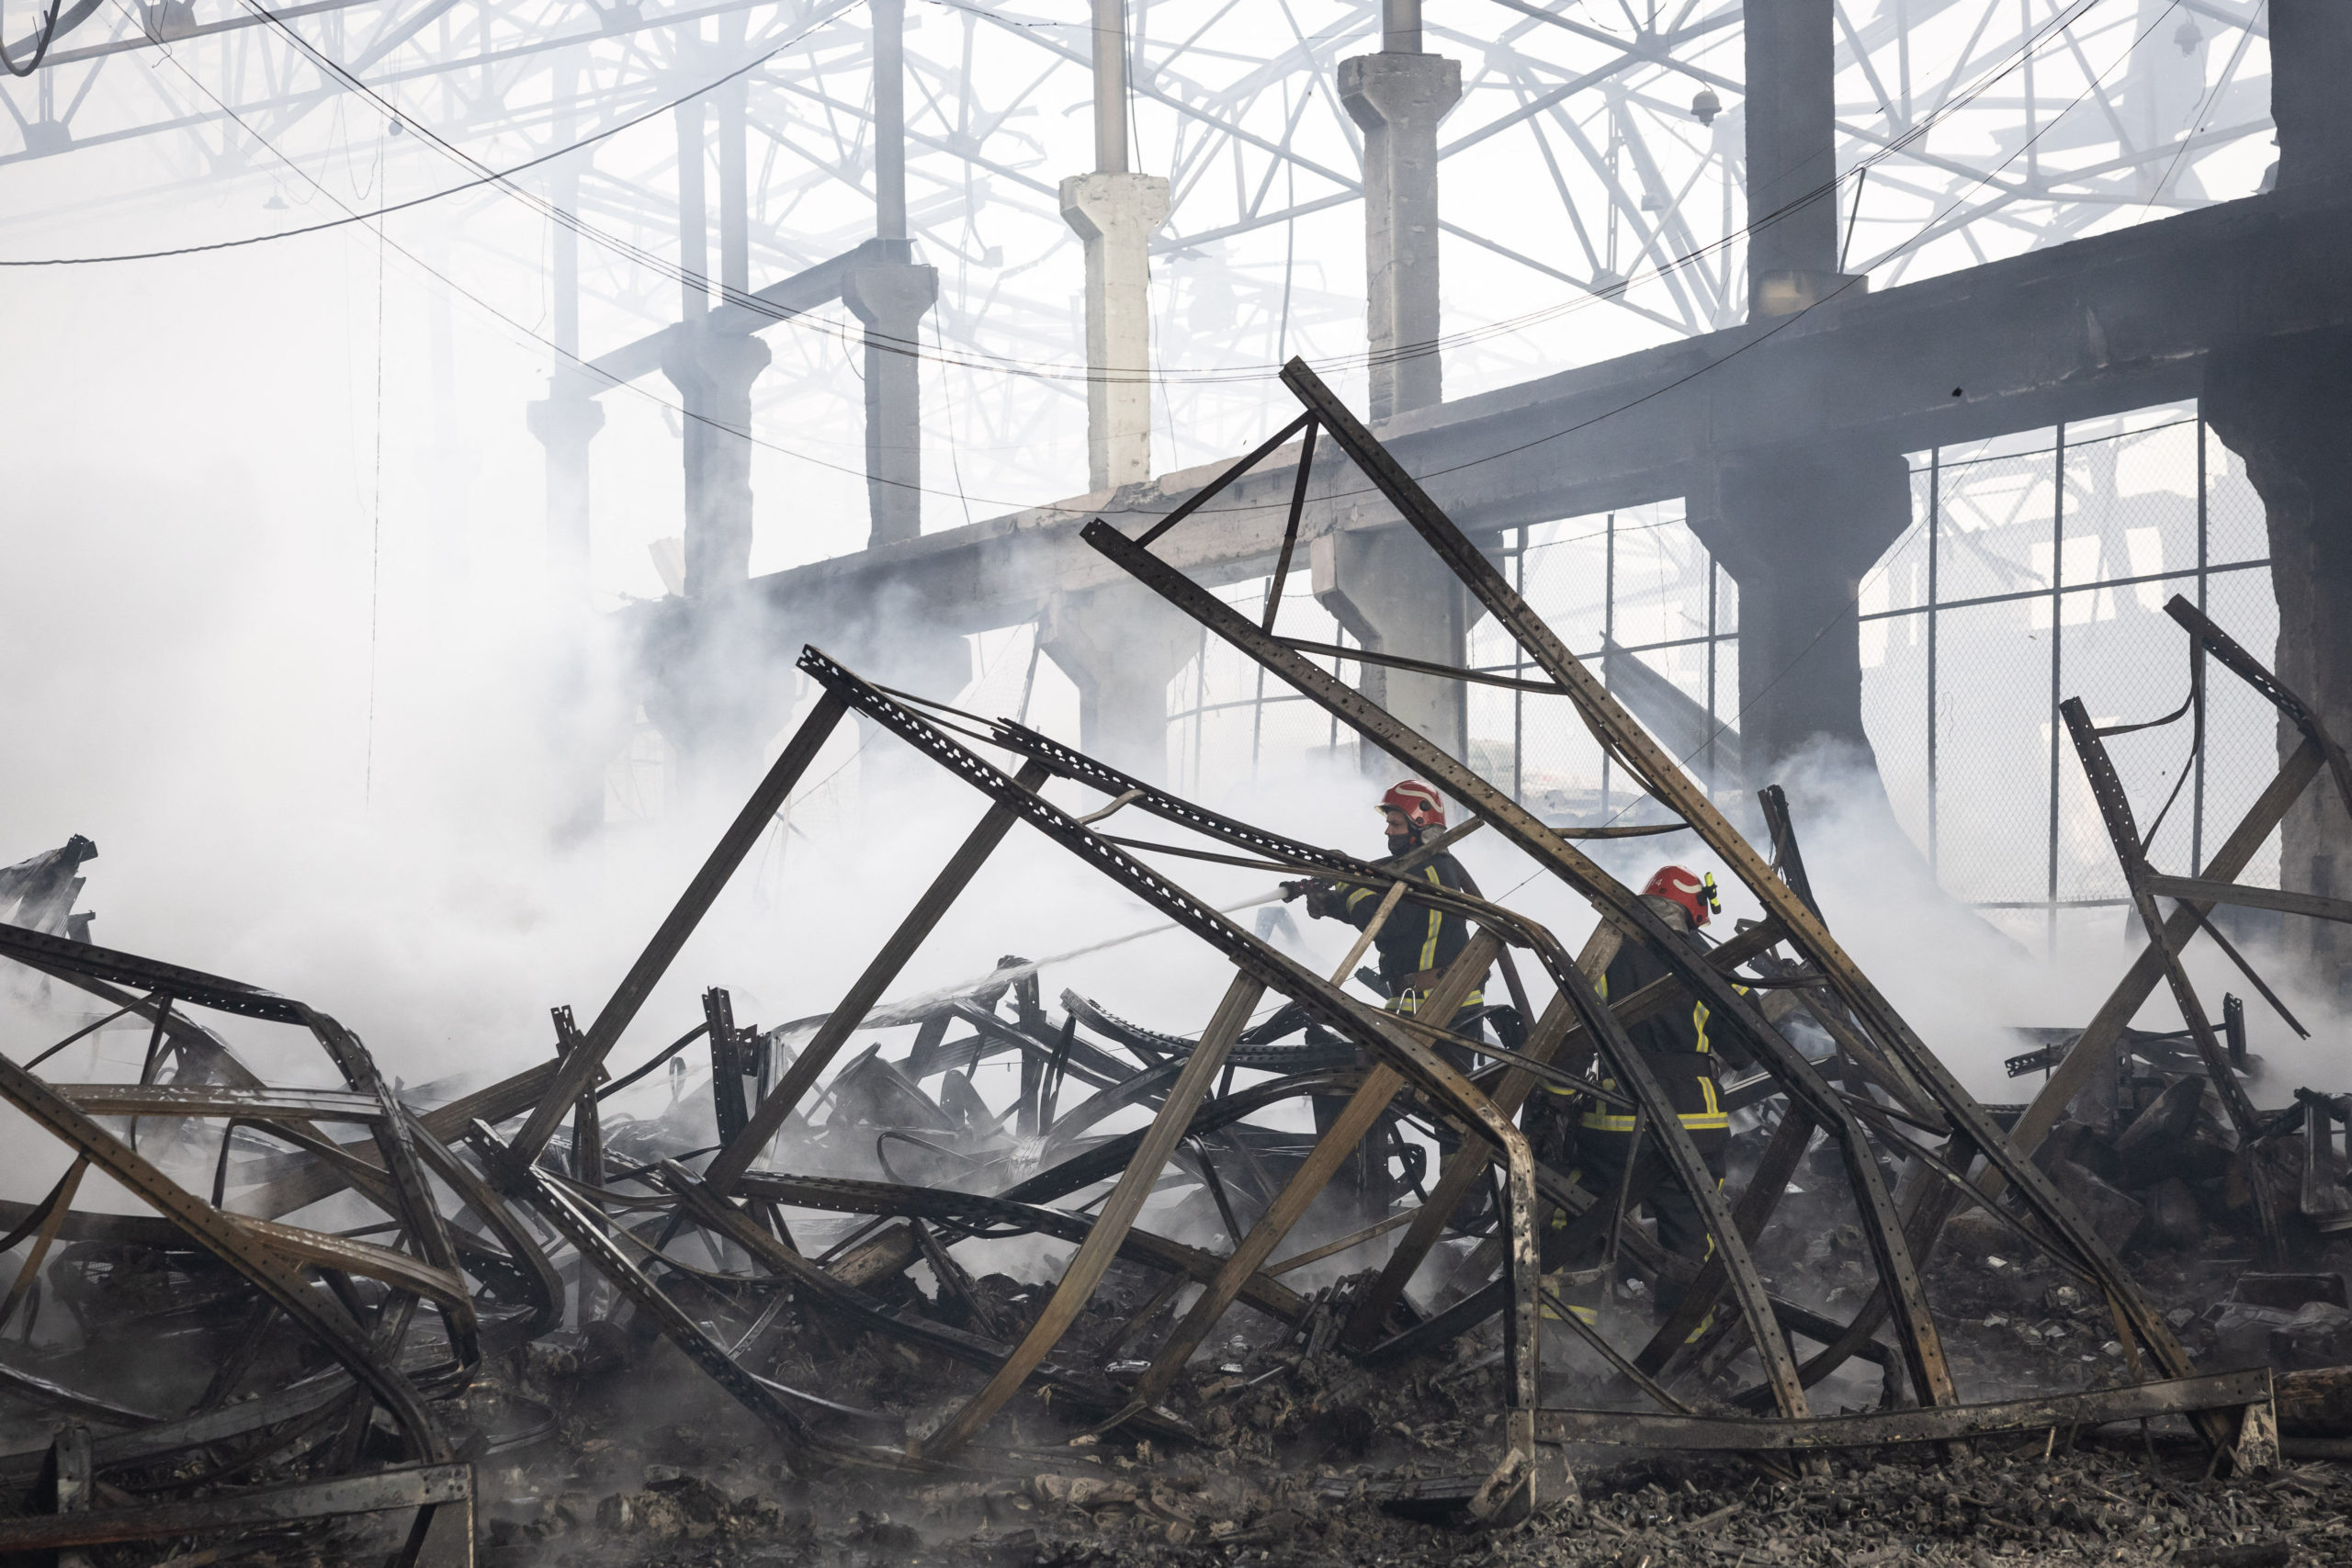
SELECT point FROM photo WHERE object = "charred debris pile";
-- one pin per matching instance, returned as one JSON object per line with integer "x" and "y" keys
{"x": 833, "y": 1303}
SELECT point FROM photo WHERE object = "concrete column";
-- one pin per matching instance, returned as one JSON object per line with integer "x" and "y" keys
{"x": 693, "y": 214}
{"x": 1798, "y": 529}
{"x": 714, "y": 373}
{"x": 1120, "y": 645}
{"x": 1115, "y": 215}
{"x": 734, "y": 184}
{"x": 580, "y": 725}
{"x": 2284, "y": 406}
{"x": 1398, "y": 99}
{"x": 1116, "y": 212}
{"x": 569, "y": 416}
{"x": 891, "y": 301}
{"x": 1793, "y": 207}
{"x": 565, "y": 422}
{"x": 2311, "y": 58}
{"x": 1388, "y": 588}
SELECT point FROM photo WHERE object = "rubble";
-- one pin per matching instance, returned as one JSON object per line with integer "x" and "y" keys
{"x": 761, "y": 1324}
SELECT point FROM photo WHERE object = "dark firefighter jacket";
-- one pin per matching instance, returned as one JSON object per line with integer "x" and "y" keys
{"x": 1420, "y": 940}
{"x": 1674, "y": 1043}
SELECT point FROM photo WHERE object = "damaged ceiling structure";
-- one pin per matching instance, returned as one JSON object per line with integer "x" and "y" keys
{"x": 345, "y": 1389}
{"x": 1351, "y": 1265}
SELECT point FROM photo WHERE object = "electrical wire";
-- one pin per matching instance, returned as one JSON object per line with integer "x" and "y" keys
{"x": 487, "y": 177}
{"x": 502, "y": 180}
{"x": 375, "y": 538}
{"x": 2063, "y": 18}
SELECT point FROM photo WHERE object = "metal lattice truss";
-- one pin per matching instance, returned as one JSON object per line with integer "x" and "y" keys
{"x": 1592, "y": 171}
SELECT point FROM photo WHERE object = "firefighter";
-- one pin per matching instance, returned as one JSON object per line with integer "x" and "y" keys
{"x": 1418, "y": 941}
{"x": 1682, "y": 1055}
{"x": 1415, "y": 945}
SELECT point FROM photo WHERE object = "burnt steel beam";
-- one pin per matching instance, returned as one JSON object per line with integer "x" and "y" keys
{"x": 1094, "y": 1254}
{"x": 817, "y": 1287}
{"x": 2204, "y": 890}
{"x": 846, "y": 1195}
{"x": 578, "y": 1070}
{"x": 2115, "y": 812}
{"x": 520, "y": 1248}
{"x": 230, "y": 1240}
{"x": 323, "y": 1249}
{"x": 1554, "y": 1032}
{"x": 2238, "y": 661}
{"x": 597, "y": 1250}
{"x": 1933, "y": 1203}
{"x": 1871, "y": 1010}
{"x": 2174, "y": 1396}
{"x": 767, "y": 1118}
{"x": 1764, "y": 1189}
{"x": 1616, "y": 902}
{"x": 194, "y": 985}
{"x": 169, "y": 1439}
{"x": 1338, "y": 1143}
{"x": 218, "y": 1100}
{"x": 1322, "y": 1000}
{"x": 1456, "y": 1176}
{"x": 420, "y": 1486}
{"x": 412, "y": 1200}
{"x": 2096, "y": 326}
{"x": 496, "y": 1102}
{"x": 2131, "y": 993}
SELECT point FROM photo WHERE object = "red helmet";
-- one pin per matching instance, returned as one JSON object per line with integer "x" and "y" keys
{"x": 1696, "y": 894}
{"x": 1419, "y": 803}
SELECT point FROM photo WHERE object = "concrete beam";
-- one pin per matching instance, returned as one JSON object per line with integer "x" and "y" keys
{"x": 2097, "y": 326}
{"x": 808, "y": 290}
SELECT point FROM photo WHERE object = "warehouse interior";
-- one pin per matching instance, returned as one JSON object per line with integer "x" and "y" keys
{"x": 1655, "y": 710}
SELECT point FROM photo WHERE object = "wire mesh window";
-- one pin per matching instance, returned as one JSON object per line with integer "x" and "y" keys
{"x": 1634, "y": 587}
{"x": 2036, "y": 569}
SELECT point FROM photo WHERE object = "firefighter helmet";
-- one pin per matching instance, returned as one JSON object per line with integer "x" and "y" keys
{"x": 1696, "y": 894}
{"x": 1418, "y": 803}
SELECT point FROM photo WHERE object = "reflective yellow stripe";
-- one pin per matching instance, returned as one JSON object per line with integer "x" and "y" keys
{"x": 1357, "y": 896}
{"x": 1410, "y": 1002}
{"x": 1715, "y": 1116}
{"x": 1699, "y": 1016}
{"x": 1692, "y": 1120}
{"x": 1437, "y": 924}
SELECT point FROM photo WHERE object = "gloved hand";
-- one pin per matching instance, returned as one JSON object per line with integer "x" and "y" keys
{"x": 1324, "y": 902}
